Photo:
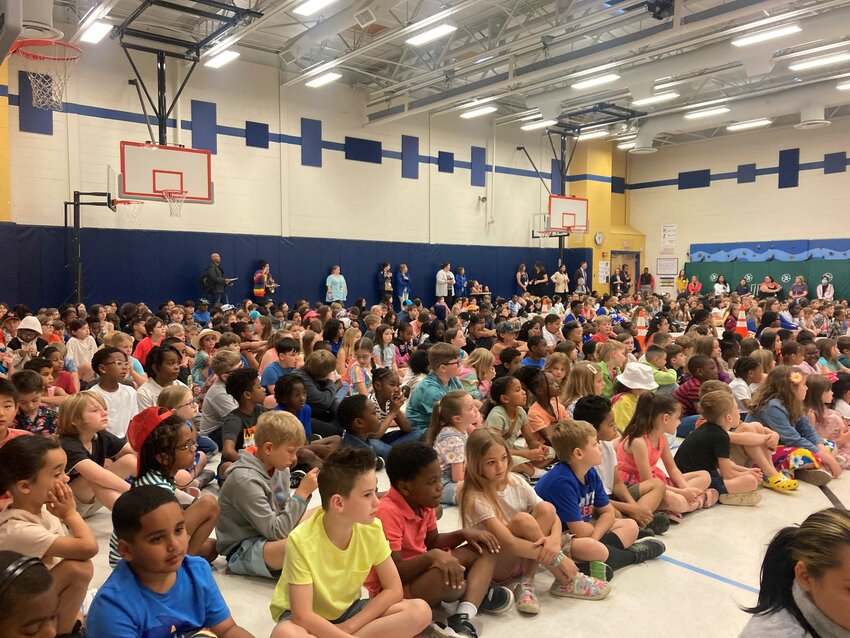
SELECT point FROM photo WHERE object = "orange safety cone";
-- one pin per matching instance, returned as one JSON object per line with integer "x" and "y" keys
{"x": 741, "y": 327}
{"x": 641, "y": 329}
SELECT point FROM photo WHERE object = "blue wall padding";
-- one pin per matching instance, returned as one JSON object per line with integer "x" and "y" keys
{"x": 445, "y": 162}
{"x": 694, "y": 179}
{"x": 746, "y": 173}
{"x": 311, "y": 142}
{"x": 409, "y": 157}
{"x": 204, "y": 126}
{"x": 557, "y": 182}
{"x": 30, "y": 118}
{"x": 789, "y": 168}
{"x": 478, "y": 172}
{"x": 154, "y": 266}
{"x": 618, "y": 185}
{"x": 834, "y": 163}
{"x": 362, "y": 150}
{"x": 256, "y": 134}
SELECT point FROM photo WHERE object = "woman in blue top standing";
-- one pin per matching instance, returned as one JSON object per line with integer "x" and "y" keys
{"x": 521, "y": 280}
{"x": 385, "y": 283}
{"x": 337, "y": 288}
{"x": 460, "y": 282}
{"x": 402, "y": 285}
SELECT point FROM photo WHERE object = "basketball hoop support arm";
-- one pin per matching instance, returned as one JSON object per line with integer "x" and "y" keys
{"x": 76, "y": 238}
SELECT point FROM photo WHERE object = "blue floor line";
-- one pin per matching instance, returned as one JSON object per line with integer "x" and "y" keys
{"x": 705, "y": 572}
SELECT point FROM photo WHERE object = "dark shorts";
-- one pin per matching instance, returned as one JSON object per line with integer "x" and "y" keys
{"x": 355, "y": 608}
{"x": 634, "y": 490}
{"x": 717, "y": 482}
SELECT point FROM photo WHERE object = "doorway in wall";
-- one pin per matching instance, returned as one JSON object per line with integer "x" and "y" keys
{"x": 632, "y": 260}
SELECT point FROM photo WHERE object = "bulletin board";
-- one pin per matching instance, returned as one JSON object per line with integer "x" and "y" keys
{"x": 667, "y": 266}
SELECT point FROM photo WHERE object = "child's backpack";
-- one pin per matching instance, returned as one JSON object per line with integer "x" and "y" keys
{"x": 205, "y": 282}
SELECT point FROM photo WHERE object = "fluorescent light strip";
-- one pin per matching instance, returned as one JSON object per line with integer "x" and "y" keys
{"x": 592, "y": 135}
{"x": 484, "y": 59}
{"x": 707, "y": 113}
{"x": 228, "y": 55}
{"x": 627, "y": 138}
{"x": 764, "y": 36}
{"x": 430, "y": 35}
{"x": 626, "y": 146}
{"x": 327, "y": 78}
{"x": 819, "y": 62}
{"x": 743, "y": 126}
{"x": 843, "y": 86}
{"x": 700, "y": 105}
{"x": 96, "y": 32}
{"x": 820, "y": 49}
{"x": 311, "y": 6}
{"x": 594, "y": 70}
{"x": 478, "y": 102}
{"x": 533, "y": 126}
{"x": 528, "y": 118}
{"x": 656, "y": 99}
{"x": 597, "y": 81}
{"x": 484, "y": 110}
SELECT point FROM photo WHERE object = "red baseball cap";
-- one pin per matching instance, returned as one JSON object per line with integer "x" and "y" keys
{"x": 143, "y": 424}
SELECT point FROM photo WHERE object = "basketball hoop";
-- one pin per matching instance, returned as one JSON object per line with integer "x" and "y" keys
{"x": 175, "y": 201}
{"x": 48, "y": 65}
{"x": 130, "y": 206}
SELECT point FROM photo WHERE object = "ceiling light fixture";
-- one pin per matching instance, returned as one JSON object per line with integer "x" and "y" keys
{"x": 700, "y": 105}
{"x": 484, "y": 110}
{"x": 655, "y": 99}
{"x": 484, "y": 59}
{"x": 527, "y": 118}
{"x": 743, "y": 126}
{"x": 763, "y": 36}
{"x": 597, "y": 81}
{"x": 819, "y": 62}
{"x": 843, "y": 86}
{"x": 533, "y": 126}
{"x": 96, "y": 32}
{"x": 327, "y": 78}
{"x": 625, "y": 146}
{"x": 593, "y": 70}
{"x": 478, "y": 102}
{"x": 592, "y": 135}
{"x": 311, "y": 6}
{"x": 820, "y": 49}
{"x": 432, "y": 34}
{"x": 696, "y": 115}
{"x": 218, "y": 61}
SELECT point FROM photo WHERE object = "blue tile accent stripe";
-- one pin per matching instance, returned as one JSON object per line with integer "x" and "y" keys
{"x": 409, "y": 157}
{"x": 311, "y": 142}
{"x": 478, "y": 166}
{"x": 204, "y": 127}
{"x": 32, "y": 119}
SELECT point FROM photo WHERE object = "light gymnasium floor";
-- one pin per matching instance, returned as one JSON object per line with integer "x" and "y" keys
{"x": 711, "y": 568}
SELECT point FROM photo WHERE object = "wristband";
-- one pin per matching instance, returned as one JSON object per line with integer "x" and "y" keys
{"x": 557, "y": 560}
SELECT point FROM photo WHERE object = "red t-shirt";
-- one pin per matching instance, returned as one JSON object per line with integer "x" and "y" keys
{"x": 66, "y": 382}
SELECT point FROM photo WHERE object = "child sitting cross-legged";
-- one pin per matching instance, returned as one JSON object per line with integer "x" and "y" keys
{"x": 157, "y": 590}
{"x": 526, "y": 527}
{"x": 708, "y": 448}
{"x": 638, "y": 501}
{"x": 656, "y": 358}
{"x": 258, "y": 512}
{"x": 453, "y": 418}
{"x": 438, "y": 568}
{"x": 329, "y": 556}
{"x": 358, "y": 417}
{"x": 237, "y": 431}
{"x": 32, "y": 416}
{"x": 573, "y": 486}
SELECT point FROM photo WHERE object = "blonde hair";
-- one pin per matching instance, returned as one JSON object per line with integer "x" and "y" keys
{"x": 480, "y": 360}
{"x": 319, "y": 364}
{"x": 476, "y": 486}
{"x": 71, "y": 418}
{"x": 601, "y": 319}
{"x": 765, "y": 358}
{"x": 581, "y": 382}
{"x": 114, "y": 338}
{"x": 714, "y": 385}
{"x": 716, "y": 405}
{"x": 175, "y": 330}
{"x": 558, "y": 358}
{"x": 609, "y": 347}
{"x": 447, "y": 408}
{"x": 172, "y": 396}
{"x": 568, "y": 436}
{"x": 349, "y": 338}
{"x": 278, "y": 427}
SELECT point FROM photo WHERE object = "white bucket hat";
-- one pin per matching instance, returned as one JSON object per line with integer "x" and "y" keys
{"x": 637, "y": 376}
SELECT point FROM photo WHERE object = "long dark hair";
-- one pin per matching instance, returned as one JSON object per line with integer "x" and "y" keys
{"x": 21, "y": 459}
{"x": 649, "y": 407}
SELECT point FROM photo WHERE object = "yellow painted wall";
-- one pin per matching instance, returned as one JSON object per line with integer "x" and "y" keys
{"x": 5, "y": 187}
{"x": 607, "y": 211}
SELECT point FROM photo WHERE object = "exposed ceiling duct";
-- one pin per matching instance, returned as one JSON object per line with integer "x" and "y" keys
{"x": 38, "y": 21}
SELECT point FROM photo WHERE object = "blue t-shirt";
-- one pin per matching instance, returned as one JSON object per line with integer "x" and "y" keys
{"x": 534, "y": 364}
{"x": 305, "y": 415}
{"x": 573, "y": 500}
{"x": 124, "y": 608}
{"x": 272, "y": 373}
{"x": 202, "y": 318}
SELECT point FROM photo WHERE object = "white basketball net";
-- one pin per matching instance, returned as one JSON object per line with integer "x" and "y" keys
{"x": 175, "y": 201}
{"x": 48, "y": 65}
{"x": 131, "y": 207}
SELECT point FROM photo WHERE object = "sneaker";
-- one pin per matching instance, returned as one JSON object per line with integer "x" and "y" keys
{"x": 459, "y": 623}
{"x": 748, "y": 499}
{"x": 439, "y": 630}
{"x": 526, "y": 598}
{"x": 647, "y": 549}
{"x": 815, "y": 477}
{"x": 646, "y": 532}
{"x": 660, "y": 523}
{"x": 581, "y": 586}
{"x": 597, "y": 569}
{"x": 295, "y": 478}
{"x": 496, "y": 600}
{"x": 379, "y": 464}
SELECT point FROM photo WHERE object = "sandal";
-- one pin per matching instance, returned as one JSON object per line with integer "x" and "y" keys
{"x": 780, "y": 483}
{"x": 674, "y": 517}
{"x": 710, "y": 498}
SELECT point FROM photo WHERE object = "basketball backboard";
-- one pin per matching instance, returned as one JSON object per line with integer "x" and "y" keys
{"x": 568, "y": 214}
{"x": 149, "y": 169}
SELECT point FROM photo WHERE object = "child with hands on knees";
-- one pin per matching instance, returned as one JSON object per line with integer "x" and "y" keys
{"x": 452, "y": 420}
{"x": 644, "y": 443}
{"x": 436, "y": 567}
{"x": 32, "y": 469}
{"x": 388, "y": 399}
{"x": 526, "y": 527}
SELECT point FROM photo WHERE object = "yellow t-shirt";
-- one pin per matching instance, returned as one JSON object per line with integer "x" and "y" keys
{"x": 336, "y": 575}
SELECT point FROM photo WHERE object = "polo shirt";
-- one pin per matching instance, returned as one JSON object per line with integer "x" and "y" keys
{"x": 404, "y": 530}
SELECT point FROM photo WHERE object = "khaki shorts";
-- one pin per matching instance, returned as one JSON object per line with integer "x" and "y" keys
{"x": 737, "y": 454}
{"x": 85, "y": 510}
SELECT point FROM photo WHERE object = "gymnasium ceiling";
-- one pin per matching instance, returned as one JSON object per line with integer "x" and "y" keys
{"x": 523, "y": 56}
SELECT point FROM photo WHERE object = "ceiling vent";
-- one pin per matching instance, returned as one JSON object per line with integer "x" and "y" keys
{"x": 811, "y": 117}
{"x": 365, "y": 18}
{"x": 288, "y": 56}
{"x": 38, "y": 21}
